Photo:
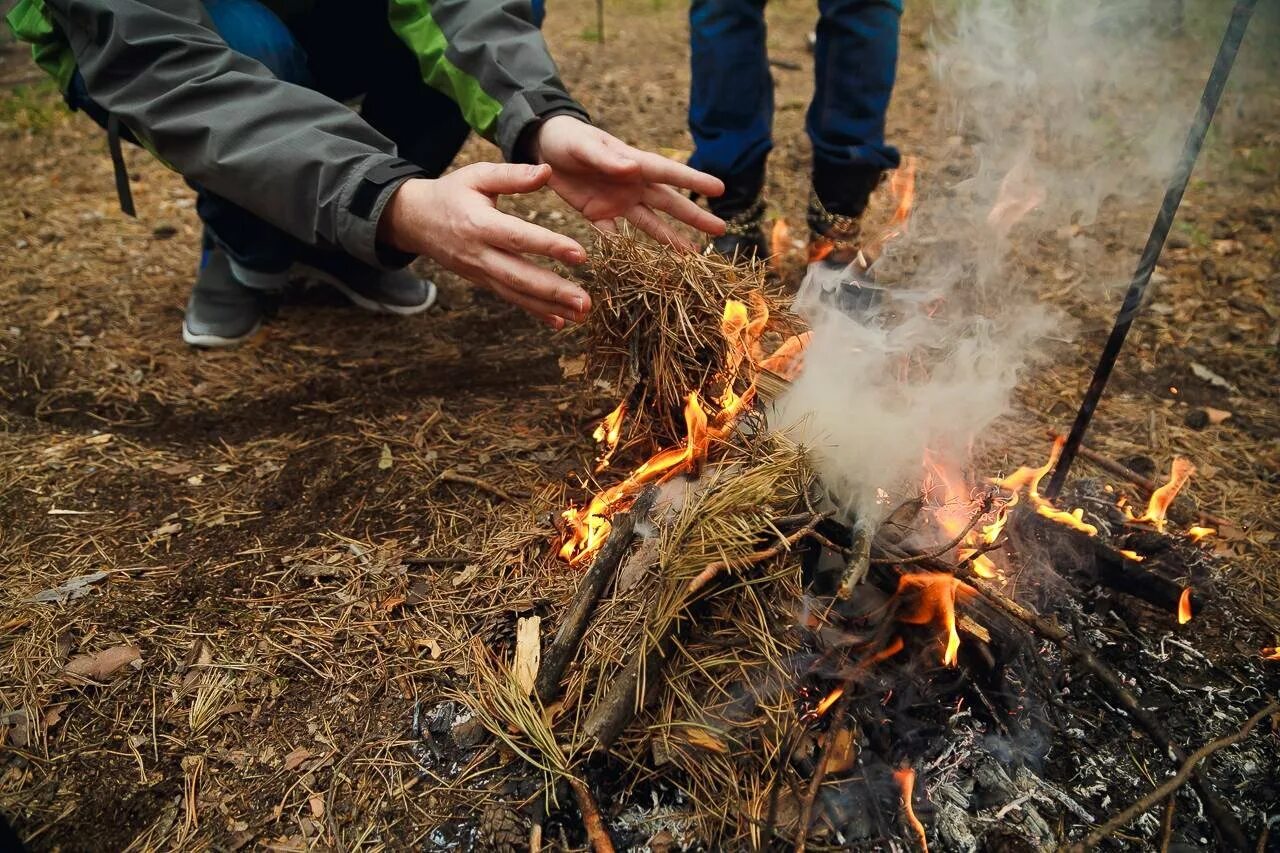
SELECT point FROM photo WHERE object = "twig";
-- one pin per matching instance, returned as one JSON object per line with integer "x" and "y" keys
{"x": 590, "y": 589}
{"x": 433, "y": 560}
{"x": 1226, "y": 822}
{"x": 713, "y": 569}
{"x": 1173, "y": 783}
{"x": 451, "y": 476}
{"x": 1166, "y": 823}
{"x": 591, "y": 819}
{"x": 982, "y": 510}
{"x": 820, "y": 772}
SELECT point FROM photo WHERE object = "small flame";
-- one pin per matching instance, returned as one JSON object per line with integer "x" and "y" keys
{"x": 1184, "y": 607}
{"x": 608, "y": 432}
{"x": 906, "y": 779}
{"x": 1271, "y": 653}
{"x": 936, "y": 603}
{"x": 1197, "y": 533}
{"x": 902, "y": 183}
{"x": 826, "y": 703}
{"x": 779, "y": 239}
{"x": 1162, "y": 497}
{"x": 1029, "y": 478}
{"x": 1131, "y": 555}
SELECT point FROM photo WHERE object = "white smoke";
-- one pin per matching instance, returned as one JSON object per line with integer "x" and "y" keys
{"x": 1059, "y": 113}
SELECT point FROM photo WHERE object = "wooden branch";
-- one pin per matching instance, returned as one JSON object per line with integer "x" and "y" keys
{"x": 574, "y": 625}
{"x": 451, "y": 476}
{"x": 597, "y": 835}
{"x": 1223, "y": 818}
{"x": 1183, "y": 510}
{"x": 1172, "y": 784}
{"x": 713, "y": 569}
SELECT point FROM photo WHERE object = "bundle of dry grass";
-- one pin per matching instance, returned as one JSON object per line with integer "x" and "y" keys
{"x": 656, "y": 319}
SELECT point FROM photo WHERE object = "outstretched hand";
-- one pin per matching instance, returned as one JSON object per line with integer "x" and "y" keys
{"x": 605, "y": 179}
{"x": 453, "y": 220}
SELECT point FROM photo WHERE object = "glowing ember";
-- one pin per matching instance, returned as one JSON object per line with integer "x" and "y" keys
{"x": 935, "y": 603}
{"x": 1131, "y": 555}
{"x": 1162, "y": 497}
{"x": 1184, "y": 607}
{"x": 1196, "y": 532}
{"x": 608, "y": 432}
{"x": 1271, "y": 653}
{"x": 906, "y": 779}
{"x": 1029, "y": 478}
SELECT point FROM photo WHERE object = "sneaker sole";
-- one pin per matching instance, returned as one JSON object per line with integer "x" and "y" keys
{"x": 365, "y": 302}
{"x": 211, "y": 341}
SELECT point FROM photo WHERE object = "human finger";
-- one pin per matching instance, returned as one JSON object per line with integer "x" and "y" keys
{"x": 661, "y": 170}
{"x": 605, "y": 153}
{"x": 515, "y": 235}
{"x": 552, "y": 293}
{"x": 643, "y": 217}
{"x": 504, "y": 178}
{"x": 681, "y": 207}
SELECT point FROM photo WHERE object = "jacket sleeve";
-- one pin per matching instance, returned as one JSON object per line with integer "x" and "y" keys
{"x": 298, "y": 159}
{"x": 491, "y": 59}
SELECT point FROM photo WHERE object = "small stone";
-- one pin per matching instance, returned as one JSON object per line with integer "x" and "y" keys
{"x": 1197, "y": 419}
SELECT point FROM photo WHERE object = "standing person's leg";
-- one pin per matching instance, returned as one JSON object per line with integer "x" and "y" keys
{"x": 731, "y": 112}
{"x": 855, "y": 62}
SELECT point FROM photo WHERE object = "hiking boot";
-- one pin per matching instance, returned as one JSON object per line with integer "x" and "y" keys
{"x": 743, "y": 237}
{"x": 222, "y": 310}
{"x": 381, "y": 291}
{"x": 839, "y": 272}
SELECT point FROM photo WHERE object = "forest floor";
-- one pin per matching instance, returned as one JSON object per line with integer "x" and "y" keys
{"x": 252, "y": 508}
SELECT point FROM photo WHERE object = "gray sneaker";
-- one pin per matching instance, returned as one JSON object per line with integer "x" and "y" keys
{"x": 222, "y": 311}
{"x": 382, "y": 291}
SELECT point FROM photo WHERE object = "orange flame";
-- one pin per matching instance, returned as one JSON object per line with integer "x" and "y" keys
{"x": 1131, "y": 555}
{"x": 1030, "y": 478}
{"x": 608, "y": 432}
{"x": 936, "y": 603}
{"x": 1271, "y": 653}
{"x": 1184, "y": 607}
{"x": 906, "y": 779}
{"x": 1197, "y": 533}
{"x": 954, "y": 513}
{"x": 779, "y": 238}
{"x": 1161, "y": 498}
{"x": 902, "y": 182}
{"x": 826, "y": 703}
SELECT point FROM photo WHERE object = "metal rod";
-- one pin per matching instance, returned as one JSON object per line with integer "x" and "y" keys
{"x": 1240, "y": 15}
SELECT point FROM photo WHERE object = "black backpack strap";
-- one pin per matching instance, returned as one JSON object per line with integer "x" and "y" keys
{"x": 123, "y": 190}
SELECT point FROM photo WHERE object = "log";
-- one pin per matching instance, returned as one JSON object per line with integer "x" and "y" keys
{"x": 569, "y": 635}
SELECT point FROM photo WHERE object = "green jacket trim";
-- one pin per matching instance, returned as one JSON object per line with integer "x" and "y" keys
{"x": 412, "y": 21}
{"x": 30, "y": 22}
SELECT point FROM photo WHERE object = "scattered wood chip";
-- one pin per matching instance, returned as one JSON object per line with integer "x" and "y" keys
{"x": 101, "y": 665}
{"x": 70, "y": 590}
{"x": 572, "y": 366}
{"x": 385, "y": 460}
{"x": 295, "y": 759}
{"x": 1216, "y": 416}
{"x": 704, "y": 739}
{"x": 316, "y": 802}
{"x": 1202, "y": 372}
{"x": 528, "y": 652}
{"x": 466, "y": 576}
{"x": 100, "y": 438}
{"x": 166, "y": 530}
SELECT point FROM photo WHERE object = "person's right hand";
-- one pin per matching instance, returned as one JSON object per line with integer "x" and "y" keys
{"x": 453, "y": 221}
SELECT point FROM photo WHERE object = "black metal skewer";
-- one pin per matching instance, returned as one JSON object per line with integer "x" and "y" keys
{"x": 1240, "y": 15}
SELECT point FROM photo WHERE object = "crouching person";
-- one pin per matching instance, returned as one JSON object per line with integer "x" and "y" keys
{"x": 245, "y": 98}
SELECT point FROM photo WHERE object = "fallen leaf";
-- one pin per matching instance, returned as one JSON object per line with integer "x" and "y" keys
{"x": 1216, "y": 416}
{"x": 528, "y": 652}
{"x": 391, "y": 603}
{"x": 70, "y": 590}
{"x": 317, "y": 806}
{"x": 166, "y": 530}
{"x": 385, "y": 461}
{"x": 466, "y": 576}
{"x": 1202, "y": 372}
{"x": 1230, "y": 532}
{"x": 432, "y": 644}
{"x": 1227, "y": 247}
{"x": 704, "y": 739}
{"x": 103, "y": 664}
{"x": 195, "y": 480}
{"x": 572, "y": 366}
{"x": 294, "y": 759}
{"x": 101, "y": 438}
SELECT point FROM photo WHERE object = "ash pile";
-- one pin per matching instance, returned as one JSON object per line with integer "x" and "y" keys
{"x": 733, "y": 654}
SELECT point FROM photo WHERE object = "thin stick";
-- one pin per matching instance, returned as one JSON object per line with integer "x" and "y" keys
{"x": 590, "y": 589}
{"x": 1133, "y": 299}
{"x": 1166, "y": 823}
{"x": 713, "y": 569}
{"x": 820, "y": 772}
{"x": 1224, "y": 819}
{"x": 1173, "y": 783}
{"x": 591, "y": 819}
{"x": 451, "y": 476}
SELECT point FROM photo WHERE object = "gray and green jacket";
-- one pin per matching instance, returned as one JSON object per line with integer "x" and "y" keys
{"x": 294, "y": 157}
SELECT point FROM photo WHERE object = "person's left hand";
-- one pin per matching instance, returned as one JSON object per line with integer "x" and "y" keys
{"x": 605, "y": 179}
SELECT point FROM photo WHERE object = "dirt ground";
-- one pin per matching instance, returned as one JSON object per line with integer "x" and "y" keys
{"x": 253, "y": 509}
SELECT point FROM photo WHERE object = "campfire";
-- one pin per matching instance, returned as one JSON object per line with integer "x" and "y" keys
{"x": 742, "y": 663}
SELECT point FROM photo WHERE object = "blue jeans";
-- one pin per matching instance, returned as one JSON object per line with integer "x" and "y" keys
{"x": 731, "y": 102}
{"x": 345, "y": 50}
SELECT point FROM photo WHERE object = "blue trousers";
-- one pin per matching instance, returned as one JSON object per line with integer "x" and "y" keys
{"x": 346, "y": 50}
{"x": 731, "y": 101}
